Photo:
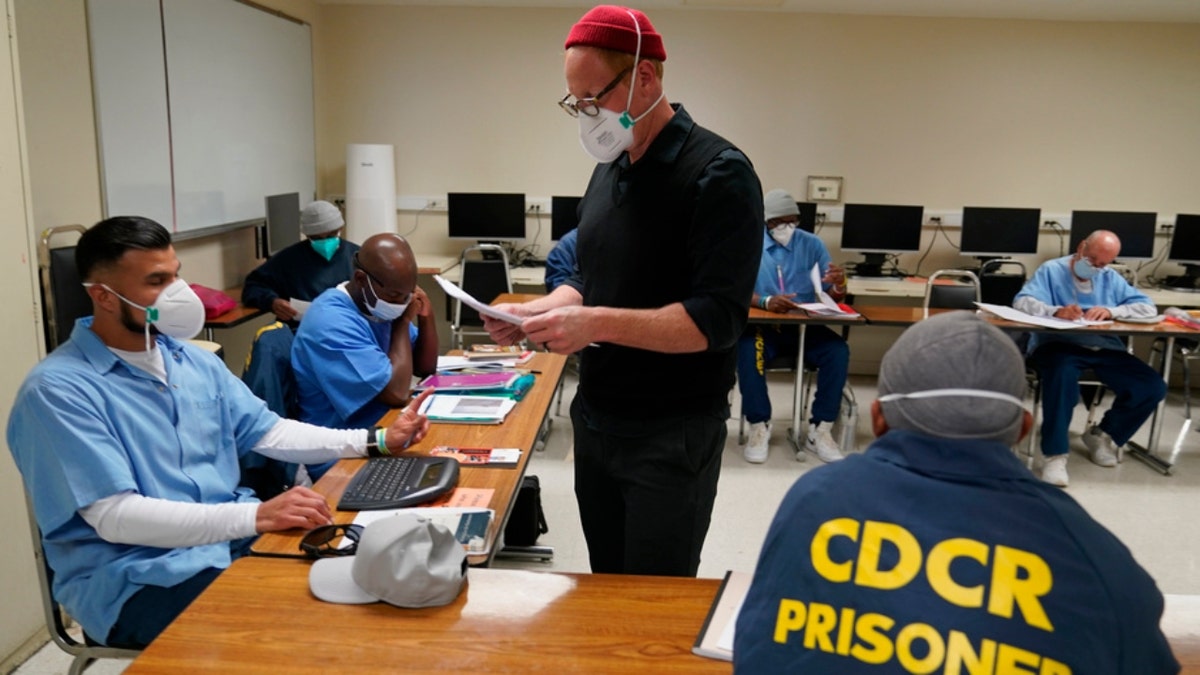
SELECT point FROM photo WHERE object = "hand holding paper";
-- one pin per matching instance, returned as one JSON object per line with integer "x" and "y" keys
{"x": 457, "y": 293}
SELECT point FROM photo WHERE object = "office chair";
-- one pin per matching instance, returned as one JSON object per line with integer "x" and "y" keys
{"x": 63, "y": 296}
{"x": 56, "y": 619}
{"x": 484, "y": 269}
{"x": 962, "y": 295}
{"x": 998, "y": 286}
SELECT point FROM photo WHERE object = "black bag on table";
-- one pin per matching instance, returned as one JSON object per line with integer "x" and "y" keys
{"x": 527, "y": 521}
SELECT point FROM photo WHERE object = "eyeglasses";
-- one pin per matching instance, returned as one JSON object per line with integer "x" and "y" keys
{"x": 590, "y": 106}
{"x": 318, "y": 543}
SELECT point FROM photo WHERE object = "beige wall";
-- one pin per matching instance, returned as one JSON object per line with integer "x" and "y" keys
{"x": 940, "y": 112}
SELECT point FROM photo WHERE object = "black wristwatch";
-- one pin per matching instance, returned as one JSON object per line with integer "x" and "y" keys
{"x": 373, "y": 443}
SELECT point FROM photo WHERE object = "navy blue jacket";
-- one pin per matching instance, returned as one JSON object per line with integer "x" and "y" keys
{"x": 930, "y": 551}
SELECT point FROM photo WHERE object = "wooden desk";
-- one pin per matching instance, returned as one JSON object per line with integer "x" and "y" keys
{"x": 259, "y": 616}
{"x": 435, "y": 263}
{"x": 906, "y": 316}
{"x": 801, "y": 319}
{"x": 234, "y": 317}
{"x": 519, "y": 430}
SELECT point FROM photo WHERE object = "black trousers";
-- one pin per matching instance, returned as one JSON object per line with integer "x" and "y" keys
{"x": 646, "y": 489}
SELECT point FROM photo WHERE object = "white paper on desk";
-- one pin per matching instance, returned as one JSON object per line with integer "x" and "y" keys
{"x": 457, "y": 293}
{"x": 1045, "y": 321}
{"x": 482, "y": 409}
{"x": 301, "y": 306}
{"x": 827, "y": 306}
{"x": 448, "y": 516}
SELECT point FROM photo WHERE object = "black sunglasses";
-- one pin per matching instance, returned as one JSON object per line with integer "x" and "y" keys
{"x": 318, "y": 543}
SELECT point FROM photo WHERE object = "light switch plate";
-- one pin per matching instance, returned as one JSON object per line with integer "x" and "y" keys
{"x": 824, "y": 188}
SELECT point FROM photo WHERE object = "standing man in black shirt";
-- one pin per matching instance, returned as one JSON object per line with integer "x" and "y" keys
{"x": 669, "y": 244}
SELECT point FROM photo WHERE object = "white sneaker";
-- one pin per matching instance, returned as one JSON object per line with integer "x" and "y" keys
{"x": 1102, "y": 450}
{"x": 1054, "y": 471}
{"x": 756, "y": 448}
{"x": 820, "y": 442}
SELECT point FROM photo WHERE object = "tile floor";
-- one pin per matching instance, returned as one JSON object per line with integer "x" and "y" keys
{"x": 1153, "y": 514}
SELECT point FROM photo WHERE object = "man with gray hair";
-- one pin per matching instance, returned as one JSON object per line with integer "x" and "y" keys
{"x": 936, "y": 549}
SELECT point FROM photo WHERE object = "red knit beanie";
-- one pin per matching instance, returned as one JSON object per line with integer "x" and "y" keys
{"x": 611, "y": 27}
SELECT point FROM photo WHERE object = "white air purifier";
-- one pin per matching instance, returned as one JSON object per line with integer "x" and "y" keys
{"x": 370, "y": 190}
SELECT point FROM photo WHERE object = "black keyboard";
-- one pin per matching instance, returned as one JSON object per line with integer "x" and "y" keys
{"x": 399, "y": 482}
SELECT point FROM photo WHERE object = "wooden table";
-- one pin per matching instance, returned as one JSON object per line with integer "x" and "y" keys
{"x": 234, "y": 317}
{"x": 519, "y": 430}
{"x": 906, "y": 316}
{"x": 259, "y": 616}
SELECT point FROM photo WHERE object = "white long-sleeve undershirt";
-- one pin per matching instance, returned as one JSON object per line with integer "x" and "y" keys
{"x": 132, "y": 518}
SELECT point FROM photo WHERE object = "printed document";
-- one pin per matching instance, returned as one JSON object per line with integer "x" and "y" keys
{"x": 1045, "y": 321}
{"x": 826, "y": 306}
{"x": 457, "y": 293}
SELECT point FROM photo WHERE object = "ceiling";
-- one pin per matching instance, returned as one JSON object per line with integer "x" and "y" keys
{"x": 1172, "y": 11}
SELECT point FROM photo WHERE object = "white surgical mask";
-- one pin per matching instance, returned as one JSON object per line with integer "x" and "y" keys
{"x": 177, "y": 311}
{"x": 382, "y": 309}
{"x": 956, "y": 392}
{"x": 1084, "y": 269}
{"x": 783, "y": 233}
{"x": 609, "y": 133}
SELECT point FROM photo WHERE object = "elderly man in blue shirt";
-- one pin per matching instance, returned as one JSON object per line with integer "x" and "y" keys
{"x": 1083, "y": 286}
{"x": 128, "y": 439}
{"x": 784, "y": 279}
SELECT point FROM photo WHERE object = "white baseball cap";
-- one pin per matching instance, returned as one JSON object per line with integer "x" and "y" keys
{"x": 406, "y": 561}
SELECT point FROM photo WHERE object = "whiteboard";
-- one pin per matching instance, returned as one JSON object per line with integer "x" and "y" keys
{"x": 234, "y": 84}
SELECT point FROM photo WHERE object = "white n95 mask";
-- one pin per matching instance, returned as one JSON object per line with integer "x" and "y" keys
{"x": 955, "y": 392}
{"x": 783, "y": 233}
{"x": 177, "y": 311}
{"x": 609, "y": 133}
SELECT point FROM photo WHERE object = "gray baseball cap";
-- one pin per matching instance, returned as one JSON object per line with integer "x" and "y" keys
{"x": 405, "y": 560}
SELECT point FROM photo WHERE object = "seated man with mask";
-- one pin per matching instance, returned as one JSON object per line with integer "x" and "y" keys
{"x": 128, "y": 440}
{"x": 936, "y": 550}
{"x": 305, "y": 269}
{"x": 362, "y": 341}
{"x": 1083, "y": 286}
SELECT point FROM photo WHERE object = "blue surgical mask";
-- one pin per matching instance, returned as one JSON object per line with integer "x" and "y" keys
{"x": 326, "y": 247}
{"x": 1084, "y": 269}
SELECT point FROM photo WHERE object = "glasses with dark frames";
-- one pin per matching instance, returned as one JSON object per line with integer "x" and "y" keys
{"x": 375, "y": 280}
{"x": 318, "y": 543}
{"x": 590, "y": 106}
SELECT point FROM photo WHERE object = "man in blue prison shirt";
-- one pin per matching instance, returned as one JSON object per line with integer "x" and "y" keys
{"x": 784, "y": 279}
{"x": 350, "y": 367}
{"x": 936, "y": 550}
{"x": 128, "y": 440}
{"x": 1083, "y": 286}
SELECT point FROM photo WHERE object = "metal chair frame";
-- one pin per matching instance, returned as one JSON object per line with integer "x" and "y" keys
{"x": 56, "y": 619}
{"x": 935, "y": 295}
{"x": 458, "y": 329}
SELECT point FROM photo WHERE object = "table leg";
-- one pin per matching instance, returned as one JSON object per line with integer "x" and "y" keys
{"x": 794, "y": 432}
{"x": 1148, "y": 454}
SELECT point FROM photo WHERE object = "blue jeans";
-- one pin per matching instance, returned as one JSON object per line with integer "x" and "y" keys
{"x": 1138, "y": 389}
{"x": 824, "y": 350}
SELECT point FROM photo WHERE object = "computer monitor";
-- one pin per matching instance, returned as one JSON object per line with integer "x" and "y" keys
{"x": 283, "y": 222}
{"x": 564, "y": 216}
{"x": 486, "y": 216}
{"x": 808, "y": 216}
{"x": 878, "y": 229}
{"x": 1134, "y": 228}
{"x": 1185, "y": 250}
{"x": 994, "y": 232}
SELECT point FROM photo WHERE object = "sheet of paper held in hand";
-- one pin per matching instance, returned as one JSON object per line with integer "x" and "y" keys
{"x": 1046, "y": 321}
{"x": 826, "y": 306}
{"x": 457, "y": 293}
